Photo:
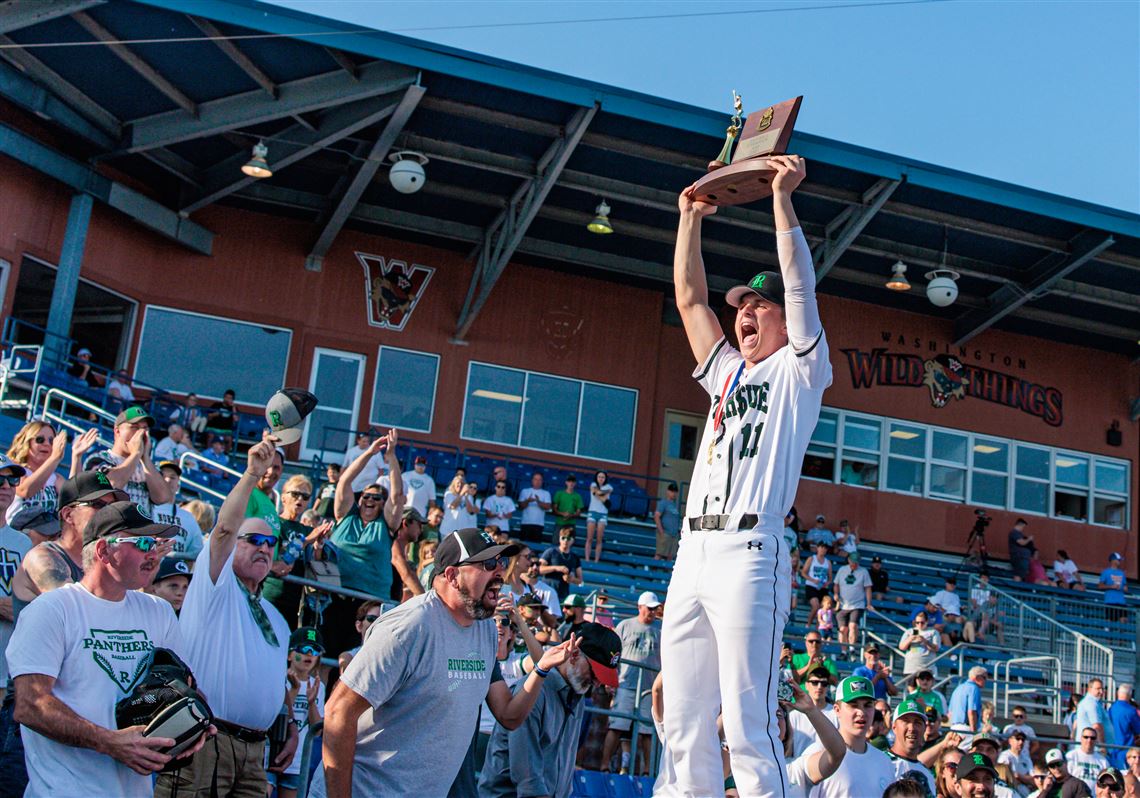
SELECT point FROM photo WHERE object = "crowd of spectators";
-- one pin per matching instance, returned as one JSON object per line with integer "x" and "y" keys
{"x": 474, "y": 641}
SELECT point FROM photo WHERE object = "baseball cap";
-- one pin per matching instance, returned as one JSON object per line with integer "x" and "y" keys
{"x": 671, "y": 486}
{"x": 127, "y": 519}
{"x": 412, "y": 514}
{"x": 853, "y": 556}
{"x": 1115, "y": 556}
{"x": 6, "y": 464}
{"x": 1054, "y": 756}
{"x": 767, "y": 285}
{"x": 854, "y": 687}
{"x": 1111, "y": 777}
{"x": 908, "y": 706}
{"x": 172, "y": 567}
{"x": 602, "y": 648}
{"x": 975, "y": 763}
{"x": 574, "y": 600}
{"x": 530, "y": 600}
{"x": 925, "y": 673}
{"x": 46, "y": 522}
{"x": 420, "y": 459}
{"x": 285, "y": 411}
{"x": 306, "y": 636}
{"x": 133, "y": 414}
{"x": 820, "y": 517}
{"x": 932, "y": 714}
{"x": 1019, "y": 733}
{"x": 468, "y": 546}
{"x": 87, "y": 486}
{"x": 867, "y": 649}
{"x": 984, "y": 737}
{"x": 877, "y": 559}
{"x": 172, "y": 464}
{"x": 821, "y": 670}
{"x": 648, "y": 599}
{"x": 83, "y": 351}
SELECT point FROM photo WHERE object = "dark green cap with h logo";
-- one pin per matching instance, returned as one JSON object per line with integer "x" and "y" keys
{"x": 767, "y": 285}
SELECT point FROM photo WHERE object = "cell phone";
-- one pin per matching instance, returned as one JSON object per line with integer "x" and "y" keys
{"x": 914, "y": 631}
{"x": 784, "y": 692}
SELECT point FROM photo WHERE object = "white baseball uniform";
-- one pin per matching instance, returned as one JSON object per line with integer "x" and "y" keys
{"x": 729, "y": 595}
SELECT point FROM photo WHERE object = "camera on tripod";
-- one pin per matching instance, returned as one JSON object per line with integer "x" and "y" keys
{"x": 981, "y": 522}
{"x": 976, "y": 551}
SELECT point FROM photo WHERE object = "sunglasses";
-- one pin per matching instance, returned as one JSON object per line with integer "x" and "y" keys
{"x": 370, "y": 618}
{"x": 258, "y": 539}
{"x": 10, "y": 481}
{"x": 143, "y": 543}
{"x": 951, "y": 766}
{"x": 500, "y": 485}
{"x": 813, "y": 642}
{"x": 1052, "y": 765}
{"x": 44, "y": 439}
{"x": 370, "y": 497}
{"x": 312, "y": 651}
{"x": 1019, "y": 717}
{"x": 817, "y": 682}
{"x": 1088, "y": 737}
{"x": 491, "y": 565}
{"x": 299, "y": 494}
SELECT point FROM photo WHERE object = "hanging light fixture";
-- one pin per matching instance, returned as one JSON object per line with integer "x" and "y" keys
{"x": 601, "y": 222}
{"x": 898, "y": 281}
{"x": 258, "y": 167}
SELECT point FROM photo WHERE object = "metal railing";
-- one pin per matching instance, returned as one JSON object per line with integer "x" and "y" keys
{"x": 1028, "y": 629}
{"x": 190, "y": 479}
{"x": 29, "y": 370}
{"x": 1003, "y": 689}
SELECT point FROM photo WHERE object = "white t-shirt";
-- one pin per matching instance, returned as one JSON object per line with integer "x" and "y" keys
{"x": 13, "y": 546}
{"x": 189, "y": 539}
{"x": 372, "y": 471}
{"x": 1024, "y": 728}
{"x": 803, "y": 733}
{"x": 818, "y": 572}
{"x": 419, "y": 489}
{"x": 1086, "y": 766}
{"x": 1065, "y": 570}
{"x": 1020, "y": 765}
{"x": 301, "y": 715}
{"x": 167, "y": 449}
{"x": 950, "y": 603}
{"x": 240, "y": 673}
{"x": 47, "y": 498}
{"x": 798, "y": 781}
{"x": 500, "y": 505}
{"x": 121, "y": 390}
{"x": 918, "y": 657}
{"x": 543, "y": 591}
{"x": 532, "y": 514}
{"x": 599, "y": 505}
{"x": 94, "y": 649}
{"x": 904, "y": 767}
{"x": 456, "y": 517}
{"x": 867, "y": 773}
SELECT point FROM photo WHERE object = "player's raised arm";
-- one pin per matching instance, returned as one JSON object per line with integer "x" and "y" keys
{"x": 701, "y": 325}
{"x": 801, "y": 313}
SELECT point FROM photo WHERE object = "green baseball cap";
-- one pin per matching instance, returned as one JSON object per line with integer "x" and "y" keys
{"x": 767, "y": 285}
{"x": 574, "y": 600}
{"x": 133, "y": 414}
{"x": 908, "y": 706}
{"x": 854, "y": 687}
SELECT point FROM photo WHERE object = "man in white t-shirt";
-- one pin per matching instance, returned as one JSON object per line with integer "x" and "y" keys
{"x": 816, "y": 684}
{"x": 13, "y": 546}
{"x": 127, "y": 463}
{"x": 1085, "y": 762}
{"x": 909, "y": 728}
{"x": 865, "y": 770}
{"x": 236, "y": 644}
{"x": 419, "y": 487}
{"x": 950, "y": 603}
{"x": 173, "y": 446}
{"x": 79, "y": 650}
{"x": 1019, "y": 761}
{"x": 804, "y": 772}
{"x": 499, "y": 507}
{"x": 373, "y": 469}
{"x": 189, "y": 539}
{"x": 534, "y": 503}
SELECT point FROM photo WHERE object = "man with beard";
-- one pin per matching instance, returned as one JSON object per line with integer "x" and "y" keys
{"x": 910, "y": 734}
{"x": 418, "y": 681}
{"x": 538, "y": 757}
{"x": 864, "y": 770}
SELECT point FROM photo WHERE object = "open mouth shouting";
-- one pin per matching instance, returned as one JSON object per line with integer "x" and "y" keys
{"x": 491, "y": 593}
{"x": 749, "y": 333}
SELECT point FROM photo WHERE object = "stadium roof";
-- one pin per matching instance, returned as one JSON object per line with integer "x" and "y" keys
{"x": 519, "y": 157}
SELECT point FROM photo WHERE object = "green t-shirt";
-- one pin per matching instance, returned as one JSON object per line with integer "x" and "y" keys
{"x": 800, "y": 661}
{"x": 261, "y": 506}
{"x": 931, "y": 699}
{"x": 567, "y": 503}
{"x": 281, "y": 593}
{"x": 364, "y": 554}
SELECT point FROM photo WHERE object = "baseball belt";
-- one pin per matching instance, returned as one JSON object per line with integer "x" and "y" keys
{"x": 707, "y": 523}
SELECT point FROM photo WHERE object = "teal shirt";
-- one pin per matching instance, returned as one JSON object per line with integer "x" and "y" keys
{"x": 364, "y": 554}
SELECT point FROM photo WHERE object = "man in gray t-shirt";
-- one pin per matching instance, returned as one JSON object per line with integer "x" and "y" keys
{"x": 415, "y": 687}
{"x": 853, "y": 596}
{"x": 640, "y": 642}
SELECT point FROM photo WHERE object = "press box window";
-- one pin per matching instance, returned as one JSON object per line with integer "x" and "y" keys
{"x": 403, "y": 393}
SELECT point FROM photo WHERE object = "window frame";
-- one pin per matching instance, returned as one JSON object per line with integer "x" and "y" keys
{"x": 372, "y": 421}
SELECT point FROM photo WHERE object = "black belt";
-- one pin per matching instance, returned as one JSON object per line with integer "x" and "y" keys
{"x": 705, "y": 523}
{"x": 242, "y": 733}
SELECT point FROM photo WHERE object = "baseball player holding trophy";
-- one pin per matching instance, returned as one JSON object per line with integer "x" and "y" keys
{"x": 730, "y": 591}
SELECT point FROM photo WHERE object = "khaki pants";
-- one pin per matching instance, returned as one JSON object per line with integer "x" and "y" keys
{"x": 238, "y": 767}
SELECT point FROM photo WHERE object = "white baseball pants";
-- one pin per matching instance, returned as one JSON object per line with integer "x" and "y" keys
{"x": 728, "y": 601}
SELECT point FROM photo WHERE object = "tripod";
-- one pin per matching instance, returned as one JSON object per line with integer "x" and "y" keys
{"x": 977, "y": 555}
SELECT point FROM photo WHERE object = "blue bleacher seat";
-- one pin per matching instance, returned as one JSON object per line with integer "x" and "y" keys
{"x": 643, "y": 786}
{"x": 621, "y": 786}
{"x": 591, "y": 784}
{"x": 250, "y": 426}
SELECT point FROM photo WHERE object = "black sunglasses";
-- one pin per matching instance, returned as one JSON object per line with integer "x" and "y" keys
{"x": 951, "y": 766}
{"x": 370, "y": 497}
{"x": 817, "y": 681}
{"x": 10, "y": 481}
{"x": 370, "y": 617}
{"x": 491, "y": 565}
{"x": 299, "y": 494}
{"x": 44, "y": 439}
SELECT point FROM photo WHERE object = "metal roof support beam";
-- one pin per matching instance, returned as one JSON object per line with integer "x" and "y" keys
{"x": 344, "y": 62}
{"x": 131, "y": 59}
{"x": 67, "y": 278}
{"x": 16, "y": 14}
{"x": 352, "y": 193}
{"x": 81, "y": 177}
{"x": 291, "y": 145}
{"x": 504, "y": 234}
{"x": 852, "y": 220}
{"x": 237, "y": 56}
{"x": 39, "y": 72}
{"x": 253, "y": 107}
{"x": 1083, "y": 248}
{"x": 29, "y": 95}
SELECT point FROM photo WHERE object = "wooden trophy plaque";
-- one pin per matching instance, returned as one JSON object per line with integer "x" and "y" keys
{"x": 749, "y": 177}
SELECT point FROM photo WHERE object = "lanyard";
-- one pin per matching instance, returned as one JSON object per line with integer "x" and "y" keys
{"x": 724, "y": 395}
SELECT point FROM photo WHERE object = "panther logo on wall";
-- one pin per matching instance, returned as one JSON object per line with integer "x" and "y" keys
{"x": 393, "y": 289}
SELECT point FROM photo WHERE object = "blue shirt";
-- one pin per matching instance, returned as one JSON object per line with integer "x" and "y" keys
{"x": 932, "y": 618}
{"x": 965, "y": 697}
{"x": 868, "y": 674}
{"x": 815, "y": 536}
{"x": 1112, "y": 582}
{"x": 364, "y": 554}
{"x": 1125, "y": 726}
{"x": 670, "y": 517}
{"x": 1090, "y": 711}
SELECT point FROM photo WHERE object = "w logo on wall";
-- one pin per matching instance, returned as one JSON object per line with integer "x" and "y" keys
{"x": 392, "y": 288}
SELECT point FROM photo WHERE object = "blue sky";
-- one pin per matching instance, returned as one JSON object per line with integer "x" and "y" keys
{"x": 1039, "y": 94}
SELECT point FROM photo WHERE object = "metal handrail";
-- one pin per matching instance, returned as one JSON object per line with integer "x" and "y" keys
{"x": 35, "y": 353}
{"x": 198, "y": 457}
{"x": 46, "y": 395}
{"x": 1009, "y": 664}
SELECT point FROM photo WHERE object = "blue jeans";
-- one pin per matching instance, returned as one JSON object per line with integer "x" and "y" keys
{"x": 13, "y": 771}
